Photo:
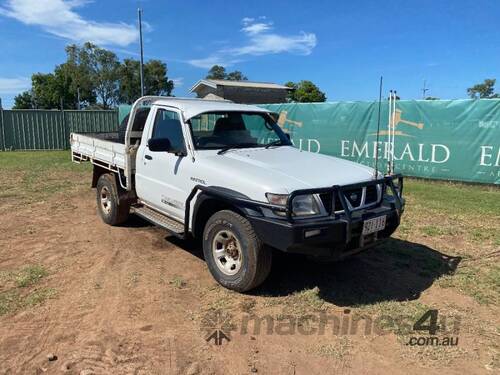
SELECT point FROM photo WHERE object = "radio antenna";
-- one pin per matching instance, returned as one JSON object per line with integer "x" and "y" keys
{"x": 378, "y": 127}
{"x": 393, "y": 140}
{"x": 389, "y": 135}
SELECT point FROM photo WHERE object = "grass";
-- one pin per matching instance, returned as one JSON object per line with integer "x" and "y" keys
{"x": 29, "y": 177}
{"x": 12, "y": 301}
{"x": 461, "y": 220}
{"x": 394, "y": 316}
{"x": 298, "y": 304}
{"x": 38, "y": 296}
{"x": 217, "y": 298}
{"x": 453, "y": 197}
{"x": 441, "y": 219}
{"x": 248, "y": 305}
{"x": 481, "y": 283}
{"x": 178, "y": 282}
{"x": 8, "y": 302}
{"x": 30, "y": 275}
{"x": 308, "y": 298}
{"x": 453, "y": 218}
{"x": 20, "y": 289}
{"x": 452, "y": 211}
{"x": 438, "y": 231}
{"x": 340, "y": 349}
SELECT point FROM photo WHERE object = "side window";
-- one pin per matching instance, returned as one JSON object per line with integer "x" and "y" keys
{"x": 168, "y": 125}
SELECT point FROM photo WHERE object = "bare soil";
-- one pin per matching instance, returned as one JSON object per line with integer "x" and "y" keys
{"x": 130, "y": 300}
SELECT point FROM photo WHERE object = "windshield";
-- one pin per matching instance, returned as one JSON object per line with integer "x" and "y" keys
{"x": 220, "y": 130}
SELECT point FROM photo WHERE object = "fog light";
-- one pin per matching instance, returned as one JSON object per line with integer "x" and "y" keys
{"x": 311, "y": 233}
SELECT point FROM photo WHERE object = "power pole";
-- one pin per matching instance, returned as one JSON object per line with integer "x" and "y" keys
{"x": 424, "y": 90}
{"x": 78, "y": 97}
{"x": 139, "y": 11}
{"x": 2, "y": 123}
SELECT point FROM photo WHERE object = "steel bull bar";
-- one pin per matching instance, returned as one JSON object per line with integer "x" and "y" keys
{"x": 337, "y": 191}
{"x": 347, "y": 210}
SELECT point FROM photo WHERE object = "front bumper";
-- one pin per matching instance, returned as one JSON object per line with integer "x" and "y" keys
{"x": 337, "y": 235}
{"x": 335, "y": 238}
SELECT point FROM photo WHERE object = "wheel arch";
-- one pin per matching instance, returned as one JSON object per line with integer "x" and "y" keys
{"x": 97, "y": 172}
{"x": 208, "y": 204}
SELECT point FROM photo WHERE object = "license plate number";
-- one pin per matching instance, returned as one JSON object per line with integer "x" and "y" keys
{"x": 374, "y": 225}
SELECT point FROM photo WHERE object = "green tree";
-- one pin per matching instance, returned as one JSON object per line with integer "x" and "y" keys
{"x": 69, "y": 78}
{"x": 93, "y": 77}
{"x": 236, "y": 76}
{"x": 219, "y": 72}
{"x": 102, "y": 67}
{"x": 24, "y": 100}
{"x": 156, "y": 81}
{"x": 50, "y": 89}
{"x": 483, "y": 90}
{"x": 305, "y": 92}
{"x": 129, "y": 81}
{"x": 82, "y": 81}
{"x": 216, "y": 72}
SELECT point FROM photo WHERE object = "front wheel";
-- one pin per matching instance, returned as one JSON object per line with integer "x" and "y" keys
{"x": 235, "y": 256}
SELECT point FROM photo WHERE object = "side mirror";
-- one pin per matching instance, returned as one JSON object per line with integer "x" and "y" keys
{"x": 159, "y": 144}
{"x": 163, "y": 144}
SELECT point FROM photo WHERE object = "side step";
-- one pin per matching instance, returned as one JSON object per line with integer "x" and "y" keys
{"x": 157, "y": 218}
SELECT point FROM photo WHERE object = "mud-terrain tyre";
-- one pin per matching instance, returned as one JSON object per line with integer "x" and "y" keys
{"x": 235, "y": 256}
{"x": 112, "y": 209}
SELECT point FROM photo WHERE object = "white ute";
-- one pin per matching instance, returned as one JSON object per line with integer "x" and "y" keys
{"x": 228, "y": 175}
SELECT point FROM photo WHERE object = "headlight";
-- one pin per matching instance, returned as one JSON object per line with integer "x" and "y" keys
{"x": 277, "y": 199}
{"x": 303, "y": 205}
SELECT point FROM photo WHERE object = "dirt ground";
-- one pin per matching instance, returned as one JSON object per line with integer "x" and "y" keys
{"x": 130, "y": 300}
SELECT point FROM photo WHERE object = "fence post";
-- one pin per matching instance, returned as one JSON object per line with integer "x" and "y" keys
{"x": 2, "y": 124}
{"x": 63, "y": 122}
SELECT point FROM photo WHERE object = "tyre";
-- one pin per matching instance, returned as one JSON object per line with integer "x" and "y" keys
{"x": 112, "y": 209}
{"x": 235, "y": 256}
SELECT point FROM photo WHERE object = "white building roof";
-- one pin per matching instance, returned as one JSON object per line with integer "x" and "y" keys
{"x": 213, "y": 97}
{"x": 250, "y": 84}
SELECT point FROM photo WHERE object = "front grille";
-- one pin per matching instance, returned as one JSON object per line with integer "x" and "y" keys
{"x": 353, "y": 196}
{"x": 326, "y": 199}
{"x": 371, "y": 194}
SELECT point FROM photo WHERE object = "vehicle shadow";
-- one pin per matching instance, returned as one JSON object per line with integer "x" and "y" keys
{"x": 190, "y": 245}
{"x": 135, "y": 221}
{"x": 396, "y": 270}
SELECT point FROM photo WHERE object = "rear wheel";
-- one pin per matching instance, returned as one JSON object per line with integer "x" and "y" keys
{"x": 112, "y": 209}
{"x": 235, "y": 256}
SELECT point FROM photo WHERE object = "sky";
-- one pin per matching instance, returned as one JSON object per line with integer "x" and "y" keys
{"x": 342, "y": 46}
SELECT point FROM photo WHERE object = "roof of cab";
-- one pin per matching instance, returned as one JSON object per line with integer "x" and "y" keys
{"x": 192, "y": 107}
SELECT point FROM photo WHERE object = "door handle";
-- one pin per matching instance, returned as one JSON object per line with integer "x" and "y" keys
{"x": 149, "y": 157}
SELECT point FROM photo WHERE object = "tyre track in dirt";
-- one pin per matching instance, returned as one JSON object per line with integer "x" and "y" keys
{"x": 101, "y": 316}
{"x": 117, "y": 309}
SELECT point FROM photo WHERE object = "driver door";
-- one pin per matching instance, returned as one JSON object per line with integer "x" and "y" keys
{"x": 158, "y": 174}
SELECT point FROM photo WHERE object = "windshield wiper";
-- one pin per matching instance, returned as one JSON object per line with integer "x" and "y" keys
{"x": 239, "y": 145}
{"x": 278, "y": 142}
